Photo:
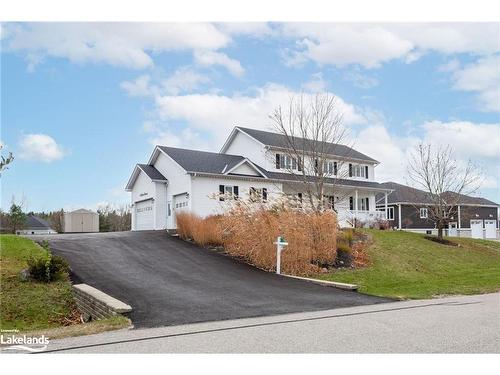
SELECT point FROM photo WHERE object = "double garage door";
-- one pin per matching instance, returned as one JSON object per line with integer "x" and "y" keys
{"x": 144, "y": 218}
{"x": 490, "y": 229}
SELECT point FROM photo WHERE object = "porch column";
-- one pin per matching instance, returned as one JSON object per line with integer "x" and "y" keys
{"x": 385, "y": 202}
{"x": 399, "y": 216}
{"x": 459, "y": 219}
{"x": 355, "y": 203}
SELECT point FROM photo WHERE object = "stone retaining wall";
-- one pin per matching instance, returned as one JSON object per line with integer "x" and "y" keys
{"x": 95, "y": 304}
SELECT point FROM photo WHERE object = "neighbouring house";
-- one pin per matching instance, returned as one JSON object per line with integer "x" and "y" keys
{"x": 81, "y": 221}
{"x": 408, "y": 209}
{"x": 250, "y": 163}
{"x": 35, "y": 225}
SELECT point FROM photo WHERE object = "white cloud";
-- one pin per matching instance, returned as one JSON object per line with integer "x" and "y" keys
{"x": 39, "y": 147}
{"x": 138, "y": 87}
{"x": 218, "y": 114}
{"x": 474, "y": 140}
{"x": 342, "y": 44}
{"x": 183, "y": 80}
{"x": 120, "y": 44}
{"x": 253, "y": 29}
{"x": 370, "y": 45}
{"x": 483, "y": 78}
{"x": 316, "y": 84}
{"x": 208, "y": 58}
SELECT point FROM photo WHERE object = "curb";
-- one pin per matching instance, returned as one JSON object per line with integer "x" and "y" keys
{"x": 332, "y": 284}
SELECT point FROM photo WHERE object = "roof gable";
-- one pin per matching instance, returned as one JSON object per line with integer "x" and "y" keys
{"x": 150, "y": 171}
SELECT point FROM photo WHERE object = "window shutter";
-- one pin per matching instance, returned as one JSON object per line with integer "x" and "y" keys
{"x": 351, "y": 203}
{"x": 350, "y": 170}
{"x": 277, "y": 161}
{"x": 367, "y": 203}
{"x": 316, "y": 166}
{"x": 264, "y": 194}
{"x": 235, "y": 191}
{"x": 299, "y": 166}
{"x": 221, "y": 191}
{"x": 335, "y": 168}
{"x": 366, "y": 171}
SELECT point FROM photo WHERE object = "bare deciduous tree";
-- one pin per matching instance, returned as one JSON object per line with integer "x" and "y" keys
{"x": 436, "y": 171}
{"x": 5, "y": 161}
{"x": 314, "y": 138}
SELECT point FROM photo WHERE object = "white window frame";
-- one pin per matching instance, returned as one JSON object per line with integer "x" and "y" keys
{"x": 229, "y": 190}
{"x": 390, "y": 213}
{"x": 424, "y": 213}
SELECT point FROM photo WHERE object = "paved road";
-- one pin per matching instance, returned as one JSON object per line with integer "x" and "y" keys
{"x": 169, "y": 282}
{"x": 450, "y": 325}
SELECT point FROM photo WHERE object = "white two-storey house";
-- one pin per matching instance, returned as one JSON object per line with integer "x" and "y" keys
{"x": 251, "y": 163}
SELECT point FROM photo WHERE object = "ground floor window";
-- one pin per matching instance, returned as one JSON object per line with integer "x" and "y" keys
{"x": 390, "y": 213}
{"x": 423, "y": 213}
{"x": 363, "y": 204}
{"x": 258, "y": 194}
{"x": 228, "y": 190}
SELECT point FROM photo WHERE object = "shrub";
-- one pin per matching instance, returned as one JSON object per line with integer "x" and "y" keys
{"x": 344, "y": 256}
{"x": 249, "y": 231}
{"x": 203, "y": 231}
{"x": 47, "y": 267}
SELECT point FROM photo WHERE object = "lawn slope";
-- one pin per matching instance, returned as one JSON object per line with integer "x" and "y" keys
{"x": 36, "y": 306}
{"x": 406, "y": 265}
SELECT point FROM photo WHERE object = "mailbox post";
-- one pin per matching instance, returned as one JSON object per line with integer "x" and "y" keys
{"x": 280, "y": 245}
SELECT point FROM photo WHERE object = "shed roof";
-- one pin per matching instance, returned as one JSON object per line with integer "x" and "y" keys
{"x": 35, "y": 222}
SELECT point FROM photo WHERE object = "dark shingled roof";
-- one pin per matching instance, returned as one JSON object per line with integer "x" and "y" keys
{"x": 152, "y": 172}
{"x": 407, "y": 194}
{"x": 35, "y": 222}
{"x": 214, "y": 163}
{"x": 279, "y": 140}
{"x": 202, "y": 161}
{"x": 465, "y": 199}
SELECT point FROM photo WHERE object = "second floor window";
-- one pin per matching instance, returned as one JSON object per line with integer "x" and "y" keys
{"x": 288, "y": 162}
{"x": 330, "y": 167}
{"x": 356, "y": 170}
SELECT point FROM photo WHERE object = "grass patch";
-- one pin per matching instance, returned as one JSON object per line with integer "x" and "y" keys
{"x": 406, "y": 265}
{"x": 39, "y": 307}
{"x": 29, "y": 305}
{"x": 96, "y": 326}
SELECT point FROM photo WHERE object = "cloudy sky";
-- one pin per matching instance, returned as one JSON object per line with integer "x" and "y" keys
{"x": 81, "y": 103}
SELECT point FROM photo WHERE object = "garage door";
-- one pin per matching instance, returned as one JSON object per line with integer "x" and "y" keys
{"x": 180, "y": 204}
{"x": 144, "y": 215}
{"x": 476, "y": 228}
{"x": 490, "y": 227}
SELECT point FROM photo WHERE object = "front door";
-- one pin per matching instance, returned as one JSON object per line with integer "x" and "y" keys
{"x": 452, "y": 229}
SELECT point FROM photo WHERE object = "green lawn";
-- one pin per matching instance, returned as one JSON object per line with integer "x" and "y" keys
{"x": 36, "y": 306}
{"x": 406, "y": 265}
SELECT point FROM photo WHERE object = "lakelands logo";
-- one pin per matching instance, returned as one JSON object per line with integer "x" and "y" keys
{"x": 32, "y": 344}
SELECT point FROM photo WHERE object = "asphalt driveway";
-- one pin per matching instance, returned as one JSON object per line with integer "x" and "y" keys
{"x": 168, "y": 281}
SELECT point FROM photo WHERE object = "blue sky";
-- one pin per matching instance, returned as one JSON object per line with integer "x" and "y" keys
{"x": 82, "y": 103}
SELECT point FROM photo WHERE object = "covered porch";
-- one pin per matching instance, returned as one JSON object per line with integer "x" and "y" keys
{"x": 352, "y": 203}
